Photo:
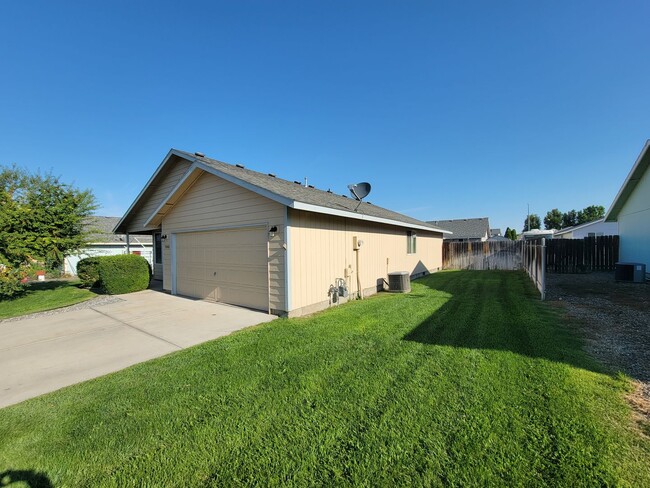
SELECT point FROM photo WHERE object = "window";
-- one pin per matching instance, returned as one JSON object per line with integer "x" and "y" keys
{"x": 411, "y": 247}
{"x": 595, "y": 234}
{"x": 157, "y": 248}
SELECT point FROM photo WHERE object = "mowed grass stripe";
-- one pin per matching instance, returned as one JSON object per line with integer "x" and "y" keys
{"x": 468, "y": 380}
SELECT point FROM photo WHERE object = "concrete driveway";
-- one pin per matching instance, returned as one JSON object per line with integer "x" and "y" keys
{"x": 43, "y": 354}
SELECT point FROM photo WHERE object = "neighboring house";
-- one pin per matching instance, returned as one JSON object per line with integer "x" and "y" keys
{"x": 590, "y": 229}
{"x": 631, "y": 209}
{"x": 533, "y": 234}
{"x": 495, "y": 232}
{"x": 102, "y": 242}
{"x": 238, "y": 236}
{"x": 498, "y": 239}
{"x": 465, "y": 230}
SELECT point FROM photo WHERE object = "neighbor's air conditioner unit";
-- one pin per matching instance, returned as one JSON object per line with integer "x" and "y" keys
{"x": 634, "y": 272}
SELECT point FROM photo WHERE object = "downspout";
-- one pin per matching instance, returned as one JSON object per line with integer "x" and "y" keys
{"x": 359, "y": 277}
{"x": 128, "y": 243}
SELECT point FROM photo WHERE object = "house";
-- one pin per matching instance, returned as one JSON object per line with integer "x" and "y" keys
{"x": 104, "y": 243}
{"x": 631, "y": 209}
{"x": 465, "y": 230}
{"x": 595, "y": 228}
{"x": 529, "y": 235}
{"x": 495, "y": 232}
{"x": 238, "y": 236}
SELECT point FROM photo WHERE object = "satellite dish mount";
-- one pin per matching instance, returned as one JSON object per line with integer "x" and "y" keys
{"x": 359, "y": 191}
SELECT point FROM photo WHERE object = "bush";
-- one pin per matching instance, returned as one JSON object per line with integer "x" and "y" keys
{"x": 125, "y": 273}
{"x": 88, "y": 272}
{"x": 11, "y": 285}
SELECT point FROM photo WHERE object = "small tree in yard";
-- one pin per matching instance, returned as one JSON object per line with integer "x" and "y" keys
{"x": 41, "y": 219}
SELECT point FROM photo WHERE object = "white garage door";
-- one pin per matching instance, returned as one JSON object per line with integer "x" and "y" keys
{"x": 229, "y": 266}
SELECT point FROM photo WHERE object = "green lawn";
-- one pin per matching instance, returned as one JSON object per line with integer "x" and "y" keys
{"x": 469, "y": 380}
{"x": 46, "y": 295}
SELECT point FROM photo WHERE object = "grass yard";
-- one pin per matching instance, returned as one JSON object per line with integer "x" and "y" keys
{"x": 46, "y": 295}
{"x": 469, "y": 380}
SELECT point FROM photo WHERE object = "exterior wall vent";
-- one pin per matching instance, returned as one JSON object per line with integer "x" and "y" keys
{"x": 399, "y": 282}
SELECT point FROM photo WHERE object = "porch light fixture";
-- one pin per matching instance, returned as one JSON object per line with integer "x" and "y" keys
{"x": 272, "y": 231}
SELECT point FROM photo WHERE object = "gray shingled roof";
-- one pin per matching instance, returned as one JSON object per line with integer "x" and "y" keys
{"x": 300, "y": 193}
{"x": 101, "y": 231}
{"x": 464, "y": 228}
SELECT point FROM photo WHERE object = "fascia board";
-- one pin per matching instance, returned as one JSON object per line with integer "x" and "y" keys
{"x": 137, "y": 199}
{"x": 357, "y": 216}
{"x": 173, "y": 191}
{"x": 244, "y": 184}
{"x": 627, "y": 188}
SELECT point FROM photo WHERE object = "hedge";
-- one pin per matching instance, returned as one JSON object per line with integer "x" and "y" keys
{"x": 115, "y": 275}
{"x": 88, "y": 272}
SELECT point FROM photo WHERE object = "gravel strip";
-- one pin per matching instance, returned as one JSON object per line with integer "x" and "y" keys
{"x": 614, "y": 319}
{"x": 93, "y": 302}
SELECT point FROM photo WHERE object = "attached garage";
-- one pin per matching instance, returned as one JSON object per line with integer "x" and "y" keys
{"x": 227, "y": 265}
{"x": 246, "y": 238}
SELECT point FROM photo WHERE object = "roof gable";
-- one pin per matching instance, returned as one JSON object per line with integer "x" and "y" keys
{"x": 630, "y": 183}
{"x": 291, "y": 194}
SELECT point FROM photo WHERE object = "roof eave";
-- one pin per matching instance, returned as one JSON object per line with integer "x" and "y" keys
{"x": 116, "y": 229}
{"x": 636, "y": 173}
{"x": 308, "y": 207}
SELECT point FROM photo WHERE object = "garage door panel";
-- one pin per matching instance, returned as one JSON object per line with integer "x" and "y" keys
{"x": 229, "y": 265}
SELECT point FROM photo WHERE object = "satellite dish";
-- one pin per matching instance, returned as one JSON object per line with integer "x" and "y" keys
{"x": 360, "y": 190}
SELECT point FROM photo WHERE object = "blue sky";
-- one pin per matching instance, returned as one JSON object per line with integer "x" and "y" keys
{"x": 449, "y": 109}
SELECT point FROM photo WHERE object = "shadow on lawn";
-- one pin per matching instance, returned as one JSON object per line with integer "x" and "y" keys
{"x": 32, "y": 479}
{"x": 49, "y": 285}
{"x": 497, "y": 310}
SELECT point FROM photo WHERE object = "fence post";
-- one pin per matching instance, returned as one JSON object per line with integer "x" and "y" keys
{"x": 543, "y": 284}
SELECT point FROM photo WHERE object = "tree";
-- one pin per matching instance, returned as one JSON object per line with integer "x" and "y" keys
{"x": 511, "y": 234}
{"x": 535, "y": 222}
{"x": 569, "y": 219}
{"x": 590, "y": 213}
{"x": 553, "y": 219}
{"x": 41, "y": 218}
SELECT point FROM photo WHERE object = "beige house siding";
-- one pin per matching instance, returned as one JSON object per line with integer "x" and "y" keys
{"x": 156, "y": 193}
{"x": 321, "y": 249}
{"x": 213, "y": 203}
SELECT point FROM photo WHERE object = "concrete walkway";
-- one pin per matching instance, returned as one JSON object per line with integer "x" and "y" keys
{"x": 43, "y": 354}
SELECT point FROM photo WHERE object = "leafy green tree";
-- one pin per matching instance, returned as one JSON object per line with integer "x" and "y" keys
{"x": 591, "y": 213}
{"x": 553, "y": 219}
{"x": 535, "y": 222}
{"x": 511, "y": 234}
{"x": 41, "y": 218}
{"x": 569, "y": 219}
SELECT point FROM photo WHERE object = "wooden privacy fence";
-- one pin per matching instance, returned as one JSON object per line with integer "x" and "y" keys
{"x": 582, "y": 255}
{"x": 482, "y": 255}
{"x": 508, "y": 255}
